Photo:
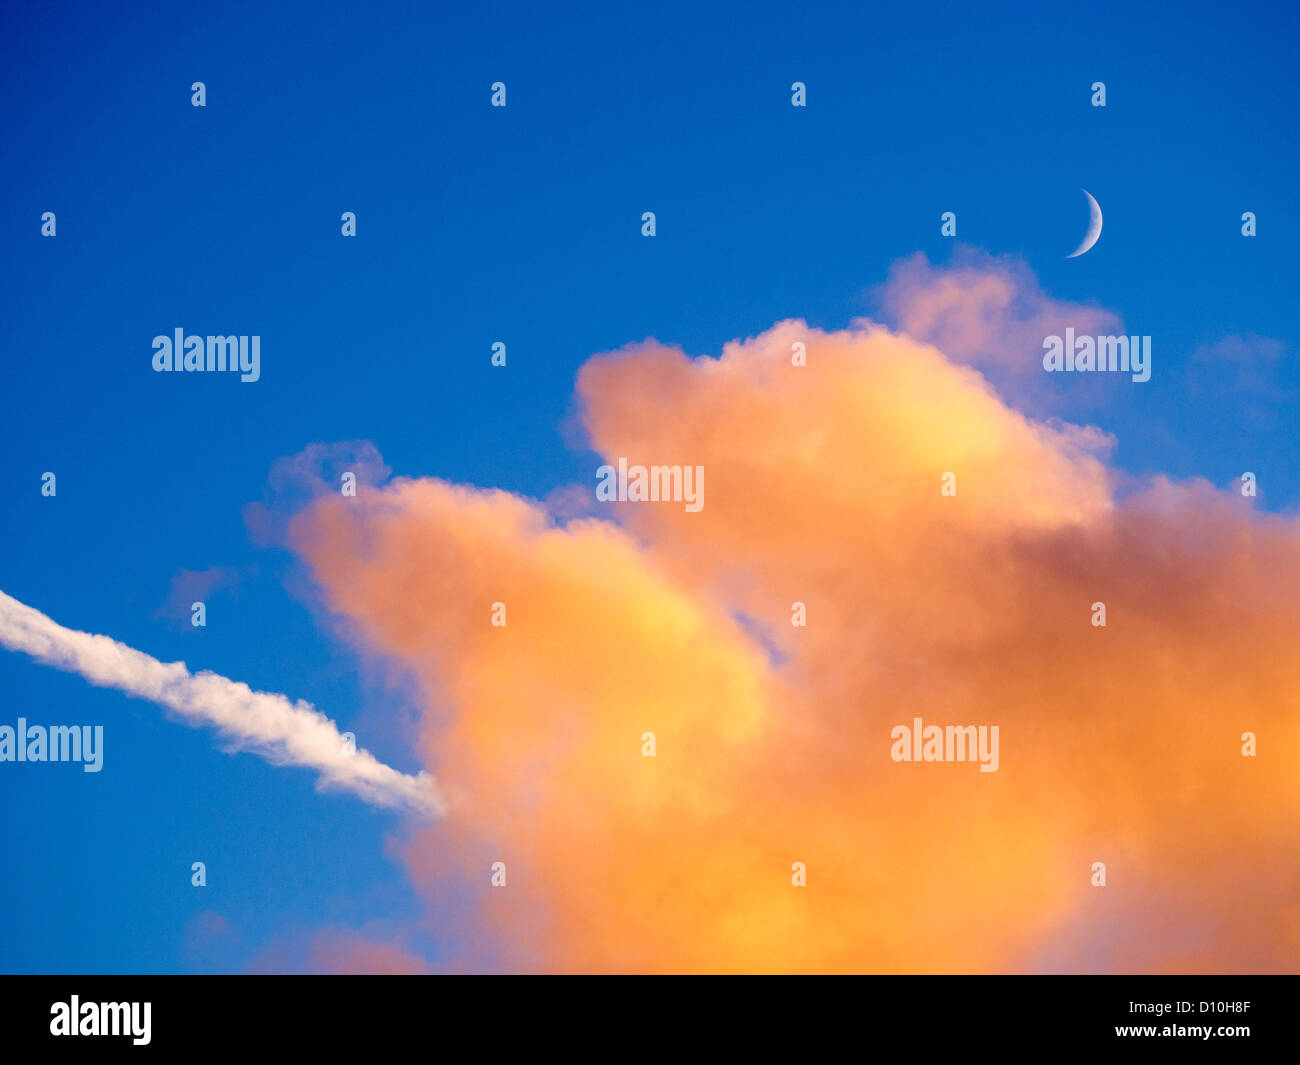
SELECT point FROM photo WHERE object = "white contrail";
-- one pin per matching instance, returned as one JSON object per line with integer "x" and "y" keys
{"x": 282, "y": 732}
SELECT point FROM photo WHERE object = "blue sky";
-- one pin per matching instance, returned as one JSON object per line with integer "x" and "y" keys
{"x": 519, "y": 225}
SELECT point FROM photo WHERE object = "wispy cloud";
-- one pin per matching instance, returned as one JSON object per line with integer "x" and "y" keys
{"x": 1248, "y": 363}
{"x": 984, "y": 310}
{"x": 283, "y": 732}
{"x": 190, "y": 586}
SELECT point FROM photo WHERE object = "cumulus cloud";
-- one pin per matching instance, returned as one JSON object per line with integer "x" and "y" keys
{"x": 1120, "y": 744}
{"x": 283, "y": 732}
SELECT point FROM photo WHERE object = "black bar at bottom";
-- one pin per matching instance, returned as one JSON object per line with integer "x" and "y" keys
{"x": 612, "y": 1016}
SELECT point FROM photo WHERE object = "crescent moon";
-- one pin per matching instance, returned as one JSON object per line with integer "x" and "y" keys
{"x": 1094, "y": 226}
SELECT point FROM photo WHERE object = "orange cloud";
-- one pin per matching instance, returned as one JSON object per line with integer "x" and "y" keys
{"x": 1119, "y": 744}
